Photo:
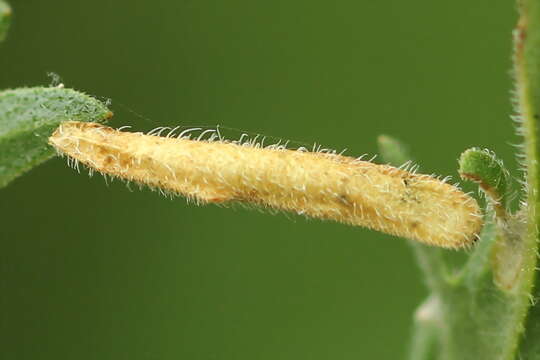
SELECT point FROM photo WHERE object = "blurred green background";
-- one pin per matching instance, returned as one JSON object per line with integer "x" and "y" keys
{"x": 90, "y": 271}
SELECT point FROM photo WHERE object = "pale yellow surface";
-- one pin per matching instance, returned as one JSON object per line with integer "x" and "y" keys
{"x": 323, "y": 186}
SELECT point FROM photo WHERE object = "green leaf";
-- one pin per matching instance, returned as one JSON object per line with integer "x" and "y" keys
{"x": 5, "y": 19}
{"x": 485, "y": 169}
{"x": 28, "y": 116}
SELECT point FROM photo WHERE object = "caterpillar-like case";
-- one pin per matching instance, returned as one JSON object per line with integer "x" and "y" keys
{"x": 320, "y": 185}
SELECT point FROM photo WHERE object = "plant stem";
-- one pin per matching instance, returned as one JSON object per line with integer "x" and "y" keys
{"x": 527, "y": 72}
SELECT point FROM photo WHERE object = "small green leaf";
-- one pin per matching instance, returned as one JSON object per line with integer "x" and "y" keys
{"x": 483, "y": 168}
{"x": 5, "y": 19}
{"x": 28, "y": 116}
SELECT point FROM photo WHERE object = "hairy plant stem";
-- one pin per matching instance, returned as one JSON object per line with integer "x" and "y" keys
{"x": 527, "y": 73}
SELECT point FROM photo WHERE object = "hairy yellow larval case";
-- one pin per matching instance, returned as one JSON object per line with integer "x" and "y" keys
{"x": 320, "y": 185}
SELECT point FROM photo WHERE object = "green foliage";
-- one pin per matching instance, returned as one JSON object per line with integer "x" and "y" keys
{"x": 28, "y": 116}
{"x": 5, "y": 19}
{"x": 483, "y": 168}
